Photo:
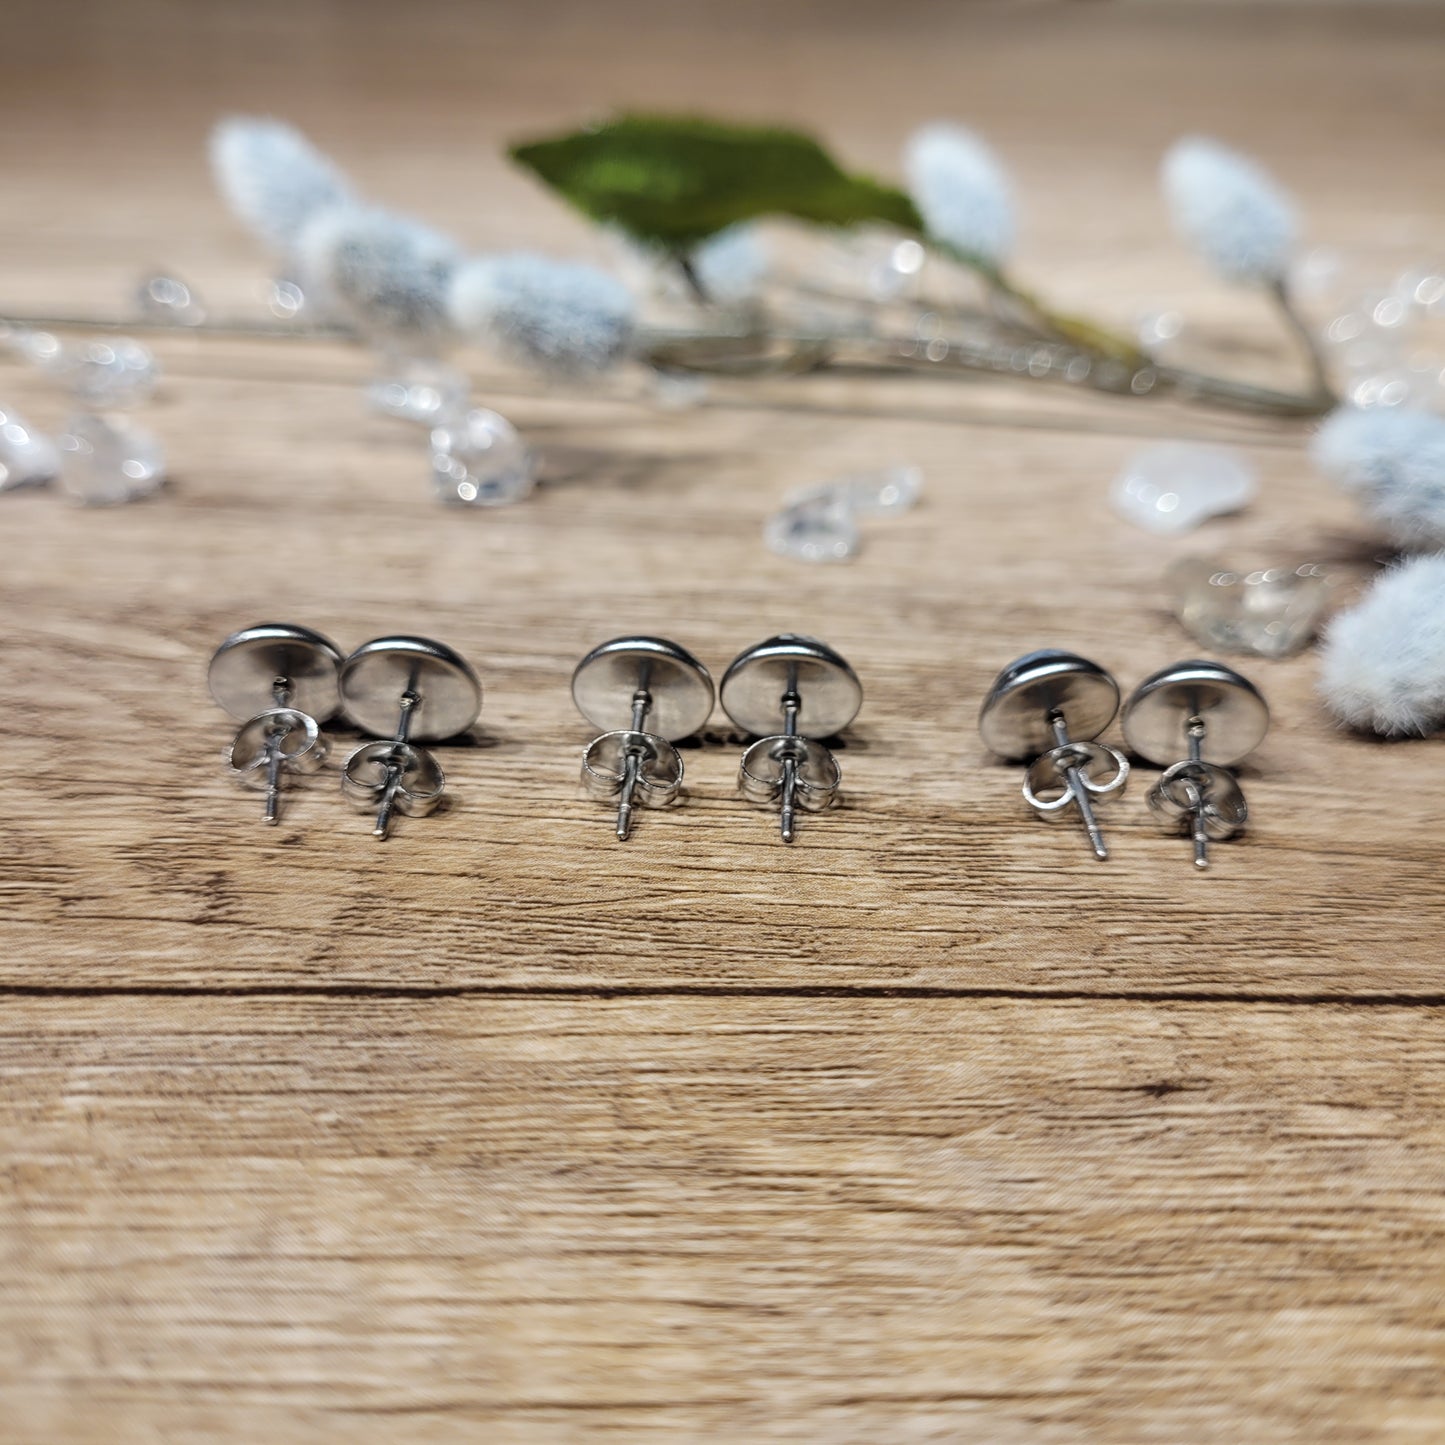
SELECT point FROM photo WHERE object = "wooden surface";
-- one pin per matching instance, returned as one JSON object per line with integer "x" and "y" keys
{"x": 926, "y": 1129}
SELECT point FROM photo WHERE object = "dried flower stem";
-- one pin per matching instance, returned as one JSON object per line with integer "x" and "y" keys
{"x": 1304, "y": 334}
{"x": 1074, "y": 331}
{"x": 745, "y": 348}
{"x": 752, "y": 351}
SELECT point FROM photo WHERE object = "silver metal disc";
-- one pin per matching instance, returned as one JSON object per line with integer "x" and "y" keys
{"x": 378, "y": 673}
{"x": 247, "y": 665}
{"x": 1014, "y": 719}
{"x": 755, "y": 682}
{"x": 1156, "y": 717}
{"x": 681, "y": 687}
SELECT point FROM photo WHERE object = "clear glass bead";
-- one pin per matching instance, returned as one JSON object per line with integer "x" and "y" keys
{"x": 876, "y": 494}
{"x": 819, "y": 523}
{"x": 111, "y": 373}
{"x": 1272, "y": 612}
{"x": 816, "y": 528}
{"x": 419, "y": 389}
{"x": 38, "y": 348}
{"x": 106, "y": 460}
{"x": 285, "y": 300}
{"x": 1175, "y": 486}
{"x": 1395, "y": 387}
{"x": 479, "y": 460}
{"x": 27, "y": 459}
{"x": 1389, "y": 311}
{"x": 169, "y": 300}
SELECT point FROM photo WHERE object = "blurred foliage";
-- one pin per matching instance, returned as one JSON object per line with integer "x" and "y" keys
{"x": 672, "y": 181}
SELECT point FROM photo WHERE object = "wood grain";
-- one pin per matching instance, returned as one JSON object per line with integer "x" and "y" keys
{"x": 686, "y": 1219}
{"x": 926, "y": 1129}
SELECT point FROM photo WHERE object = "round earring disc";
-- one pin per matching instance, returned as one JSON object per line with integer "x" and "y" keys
{"x": 1156, "y": 717}
{"x": 1014, "y": 719}
{"x": 681, "y": 687}
{"x": 246, "y": 665}
{"x": 376, "y": 675}
{"x": 755, "y": 682}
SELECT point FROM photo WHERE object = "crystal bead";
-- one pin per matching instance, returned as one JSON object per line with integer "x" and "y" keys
{"x": 105, "y": 461}
{"x": 168, "y": 300}
{"x": 872, "y": 494}
{"x": 38, "y": 348}
{"x": 1390, "y": 311}
{"x": 816, "y": 528}
{"x": 116, "y": 373}
{"x": 819, "y": 524}
{"x": 1273, "y": 612}
{"x": 414, "y": 389}
{"x": 478, "y": 460}
{"x": 1175, "y": 486}
{"x": 27, "y": 459}
{"x": 286, "y": 300}
{"x": 1383, "y": 389}
{"x": 1345, "y": 328}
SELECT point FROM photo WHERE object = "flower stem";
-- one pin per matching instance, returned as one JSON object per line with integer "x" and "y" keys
{"x": 1075, "y": 331}
{"x": 689, "y": 271}
{"x": 748, "y": 350}
{"x": 1309, "y": 343}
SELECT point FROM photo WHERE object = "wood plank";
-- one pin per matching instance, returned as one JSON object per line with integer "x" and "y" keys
{"x": 933, "y": 873}
{"x": 743, "y": 1219}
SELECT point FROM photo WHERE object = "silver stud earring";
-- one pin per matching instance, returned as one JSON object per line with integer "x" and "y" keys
{"x": 1217, "y": 716}
{"x": 1050, "y": 706}
{"x": 647, "y": 692}
{"x": 788, "y": 692}
{"x": 280, "y": 682}
{"x": 406, "y": 690}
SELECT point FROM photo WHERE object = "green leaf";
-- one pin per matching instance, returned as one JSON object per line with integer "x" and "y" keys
{"x": 673, "y": 181}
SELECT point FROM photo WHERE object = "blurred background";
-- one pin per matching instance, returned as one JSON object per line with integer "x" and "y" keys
{"x": 107, "y": 106}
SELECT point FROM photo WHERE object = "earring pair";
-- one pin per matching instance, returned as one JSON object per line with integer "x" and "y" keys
{"x": 787, "y": 692}
{"x": 1050, "y": 707}
{"x": 284, "y": 681}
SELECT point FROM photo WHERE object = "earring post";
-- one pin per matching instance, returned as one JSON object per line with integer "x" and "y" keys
{"x": 394, "y": 767}
{"x": 1080, "y": 791}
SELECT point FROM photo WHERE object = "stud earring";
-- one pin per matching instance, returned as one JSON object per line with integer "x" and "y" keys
{"x": 789, "y": 691}
{"x": 627, "y": 686}
{"x": 406, "y": 690}
{"x": 1050, "y": 706}
{"x": 1219, "y": 716}
{"x": 280, "y": 682}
